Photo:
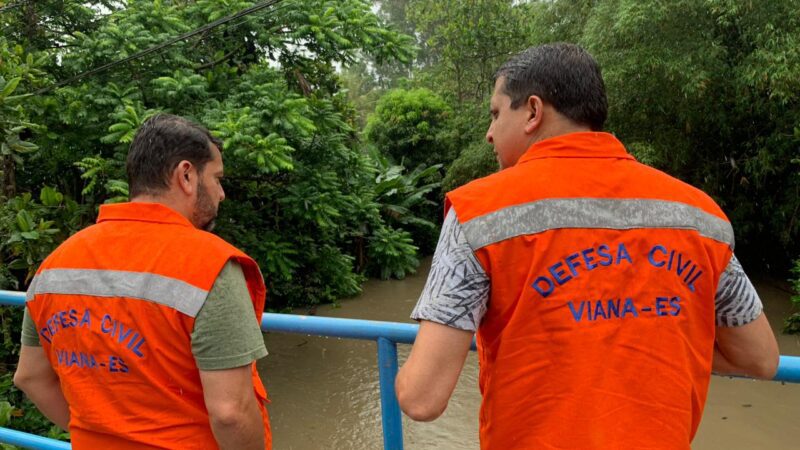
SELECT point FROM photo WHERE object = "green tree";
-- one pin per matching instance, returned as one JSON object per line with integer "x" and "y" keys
{"x": 476, "y": 161}
{"x": 717, "y": 106}
{"x": 705, "y": 90}
{"x": 412, "y": 127}
{"x": 301, "y": 192}
{"x": 461, "y": 44}
{"x": 18, "y": 71}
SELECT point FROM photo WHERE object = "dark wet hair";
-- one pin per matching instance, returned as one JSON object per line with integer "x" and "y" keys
{"x": 162, "y": 142}
{"x": 561, "y": 74}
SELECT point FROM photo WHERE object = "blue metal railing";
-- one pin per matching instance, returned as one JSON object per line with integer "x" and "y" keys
{"x": 386, "y": 334}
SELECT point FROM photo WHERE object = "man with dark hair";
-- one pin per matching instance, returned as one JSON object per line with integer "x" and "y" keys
{"x": 603, "y": 292}
{"x": 142, "y": 331}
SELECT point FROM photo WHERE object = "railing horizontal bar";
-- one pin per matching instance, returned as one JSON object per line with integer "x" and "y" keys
{"x": 346, "y": 328}
{"x": 12, "y": 298}
{"x": 382, "y": 332}
{"x": 27, "y": 440}
{"x": 788, "y": 369}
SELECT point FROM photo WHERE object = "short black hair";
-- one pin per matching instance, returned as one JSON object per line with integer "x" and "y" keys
{"x": 561, "y": 74}
{"x": 163, "y": 141}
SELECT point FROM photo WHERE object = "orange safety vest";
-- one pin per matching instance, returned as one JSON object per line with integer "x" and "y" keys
{"x": 599, "y": 332}
{"x": 115, "y": 307}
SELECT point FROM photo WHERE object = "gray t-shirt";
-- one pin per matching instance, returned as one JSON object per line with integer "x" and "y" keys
{"x": 226, "y": 333}
{"x": 456, "y": 293}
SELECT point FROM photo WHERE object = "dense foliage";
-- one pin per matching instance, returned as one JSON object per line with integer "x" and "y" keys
{"x": 265, "y": 84}
{"x": 717, "y": 107}
{"x": 705, "y": 90}
{"x": 322, "y": 193}
{"x": 412, "y": 127}
{"x": 304, "y": 198}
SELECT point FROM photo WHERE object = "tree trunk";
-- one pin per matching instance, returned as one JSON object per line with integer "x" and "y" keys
{"x": 31, "y": 22}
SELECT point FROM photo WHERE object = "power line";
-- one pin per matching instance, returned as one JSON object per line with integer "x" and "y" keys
{"x": 12, "y": 5}
{"x": 167, "y": 43}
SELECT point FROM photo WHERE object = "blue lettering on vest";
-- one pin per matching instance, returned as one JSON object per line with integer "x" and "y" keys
{"x": 44, "y": 334}
{"x": 572, "y": 264}
{"x": 544, "y": 292}
{"x": 136, "y": 351}
{"x": 690, "y": 283}
{"x": 86, "y": 321}
{"x": 103, "y": 327}
{"x": 613, "y": 308}
{"x": 62, "y": 356}
{"x": 117, "y": 364}
{"x": 681, "y": 267}
{"x": 122, "y": 333}
{"x": 676, "y": 306}
{"x": 569, "y": 267}
{"x": 685, "y": 269}
{"x": 576, "y": 314}
{"x": 599, "y": 311}
{"x": 602, "y": 251}
{"x": 622, "y": 253}
{"x": 629, "y": 308}
{"x": 651, "y": 255}
{"x": 587, "y": 259}
{"x": 661, "y": 302}
{"x": 558, "y": 273}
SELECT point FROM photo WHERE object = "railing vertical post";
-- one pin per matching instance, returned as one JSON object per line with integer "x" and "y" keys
{"x": 390, "y": 409}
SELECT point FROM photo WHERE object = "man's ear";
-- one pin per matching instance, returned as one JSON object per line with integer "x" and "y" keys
{"x": 535, "y": 107}
{"x": 185, "y": 177}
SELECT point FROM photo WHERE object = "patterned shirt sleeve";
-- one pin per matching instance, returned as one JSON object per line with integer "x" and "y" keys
{"x": 737, "y": 302}
{"x": 456, "y": 293}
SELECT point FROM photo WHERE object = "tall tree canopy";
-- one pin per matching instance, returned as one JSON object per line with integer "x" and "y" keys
{"x": 301, "y": 193}
{"x": 705, "y": 90}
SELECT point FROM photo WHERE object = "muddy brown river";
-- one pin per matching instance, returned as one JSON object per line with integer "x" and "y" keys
{"x": 324, "y": 391}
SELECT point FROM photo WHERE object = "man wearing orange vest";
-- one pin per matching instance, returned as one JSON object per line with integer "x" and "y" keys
{"x": 603, "y": 292}
{"x": 142, "y": 331}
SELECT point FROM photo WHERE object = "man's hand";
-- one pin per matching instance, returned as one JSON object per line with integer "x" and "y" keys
{"x": 749, "y": 350}
{"x": 427, "y": 379}
{"x": 37, "y": 379}
{"x": 233, "y": 409}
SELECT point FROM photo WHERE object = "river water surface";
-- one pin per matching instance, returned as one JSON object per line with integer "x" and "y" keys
{"x": 324, "y": 391}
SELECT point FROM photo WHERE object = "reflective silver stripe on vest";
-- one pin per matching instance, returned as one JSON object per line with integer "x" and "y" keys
{"x": 616, "y": 214}
{"x": 159, "y": 289}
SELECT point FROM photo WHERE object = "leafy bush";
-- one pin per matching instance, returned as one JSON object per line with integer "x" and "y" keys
{"x": 406, "y": 199}
{"x": 392, "y": 253}
{"x": 476, "y": 161}
{"x": 33, "y": 229}
{"x": 301, "y": 195}
{"x": 412, "y": 128}
{"x": 18, "y": 413}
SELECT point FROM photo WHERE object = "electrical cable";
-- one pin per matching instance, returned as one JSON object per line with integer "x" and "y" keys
{"x": 167, "y": 43}
{"x": 11, "y": 5}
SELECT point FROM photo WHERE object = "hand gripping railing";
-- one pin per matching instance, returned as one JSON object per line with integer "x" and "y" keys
{"x": 386, "y": 334}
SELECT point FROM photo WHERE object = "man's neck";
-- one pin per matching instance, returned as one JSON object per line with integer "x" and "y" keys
{"x": 558, "y": 125}
{"x": 167, "y": 200}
